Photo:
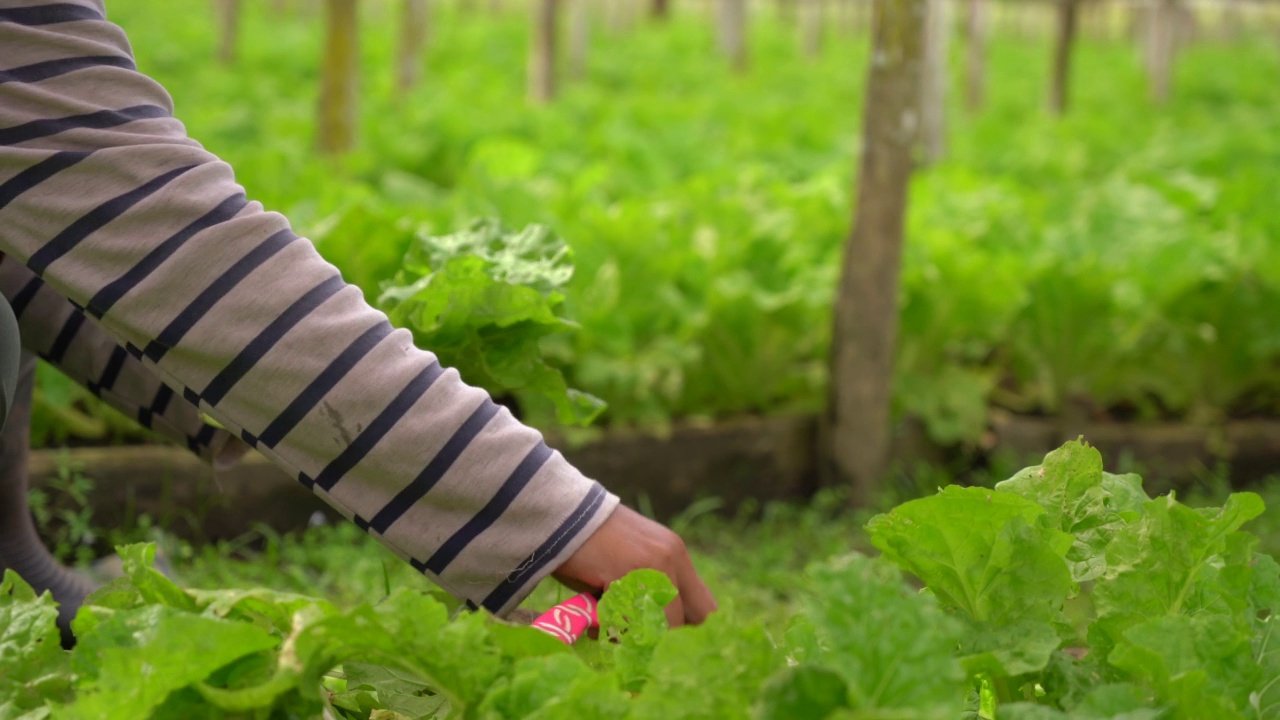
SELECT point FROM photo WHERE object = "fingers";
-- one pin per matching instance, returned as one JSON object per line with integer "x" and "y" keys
{"x": 695, "y": 597}
{"x": 629, "y": 541}
{"x": 675, "y": 613}
{"x": 694, "y": 601}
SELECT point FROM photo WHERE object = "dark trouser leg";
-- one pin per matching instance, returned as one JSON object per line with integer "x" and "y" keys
{"x": 93, "y": 359}
{"x": 10, "y": 352}
{"x": 20, "y": 547}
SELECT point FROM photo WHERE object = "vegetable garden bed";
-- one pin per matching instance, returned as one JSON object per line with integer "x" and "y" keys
{"x": 1063, "y": 592}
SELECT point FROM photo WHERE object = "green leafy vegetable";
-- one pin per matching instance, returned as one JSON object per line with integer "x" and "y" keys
{"x": 131, "y": 660}
{"x": 1176, "y": 609}
{"x": 1173, "y": 617}
{"x": 482, "y": 300}
{"x": 980, "y": 551}
{"x": 1080, "y": 499}
{"x": 1176, "y": 560}
{"x": 33, "y": 667}
{"x": 634, "y": 607}
{"x": 894, "y": 648}
{"x": 803, "y": 691}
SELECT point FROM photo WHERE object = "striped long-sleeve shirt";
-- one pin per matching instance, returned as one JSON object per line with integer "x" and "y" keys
{"x": 152, "y": 247}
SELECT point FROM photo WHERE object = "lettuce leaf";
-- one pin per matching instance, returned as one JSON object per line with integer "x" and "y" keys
{"x": 1081, "y": 499}
{"x": 1174, "y": 560}
{"x": 631, "y": 614}
{"x": 893, "y": 647}
{"x": 715, "y": 669}
{"x": 483, "y": 299}
{"x": 33, "y": 667}
{"x": 979, "y": 551}
{"x": 131, "y": 660}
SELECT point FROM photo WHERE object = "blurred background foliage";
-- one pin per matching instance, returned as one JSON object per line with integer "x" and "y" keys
{"x": 1122, "y": 261}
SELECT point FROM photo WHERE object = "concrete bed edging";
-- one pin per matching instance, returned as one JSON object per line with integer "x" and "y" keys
{"x": 760, "y": 459}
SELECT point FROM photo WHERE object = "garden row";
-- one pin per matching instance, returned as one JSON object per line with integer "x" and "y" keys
{"x": 1065, "y": 591}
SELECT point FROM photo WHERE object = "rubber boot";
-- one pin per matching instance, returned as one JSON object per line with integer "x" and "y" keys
{"x": 20, "y": 547}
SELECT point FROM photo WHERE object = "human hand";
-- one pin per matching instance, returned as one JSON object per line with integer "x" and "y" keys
{"x": 630, "y": 541}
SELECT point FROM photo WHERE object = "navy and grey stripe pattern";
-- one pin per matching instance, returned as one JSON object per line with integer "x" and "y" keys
{"x": 33, "y": 15}
{"x": 142, "y": 270}
{"x": 35, "y": 72}
{"x": 61, "y": 334}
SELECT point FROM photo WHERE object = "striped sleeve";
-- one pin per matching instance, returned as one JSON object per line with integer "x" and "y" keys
{"x": 104, "y": 198}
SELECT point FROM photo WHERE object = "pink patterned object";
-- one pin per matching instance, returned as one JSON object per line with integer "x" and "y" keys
{"x": 569, "y": 620}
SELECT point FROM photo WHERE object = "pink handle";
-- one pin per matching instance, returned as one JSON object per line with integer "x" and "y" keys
{"x": 569, "y": 620}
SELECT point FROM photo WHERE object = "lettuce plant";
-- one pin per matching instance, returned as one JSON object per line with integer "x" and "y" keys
{"x": 483, "y": 299}
{"x": 1064, "y": 592}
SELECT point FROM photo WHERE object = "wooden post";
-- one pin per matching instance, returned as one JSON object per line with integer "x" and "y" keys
{"x": 733, "y": 32}
{"x": 228, "y": 29}
{"x": 579, "y": 37}
{"x": 338, "y": 77}
{"x": 856, "y": 432}
{"x": 414, "y": 29}
{"x": 1187, "y": 25}
{"x": 1095, "y": 19}
{"x": 660, "y": 9}
{"x": 542, "y": 51}
{"x": 812, "y": 26}
{"x": 1029, "y": 18}
{"x": 861, "y": 12}
{"x": 1162, "y": 41}
{"x": 1021, "y": 26}
{"x": 619, "y": 15}
{"x": 1232, "y": 19}
{"x": 1136, "y": 24}
{"x": 786, "y": 10}
{"x": 978, "y": 28}
{"x": 1060, "y": 84}
{"x": 933, "y": 84}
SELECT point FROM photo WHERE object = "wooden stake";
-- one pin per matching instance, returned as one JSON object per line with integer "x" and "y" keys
{"x": 978, "y": 28}
{"x": 338, "y": 77}
{"x": 812, "y": 25}
{"x": 579, "y": 37}
{"x": 733, "y": 32}
{"x": 542, "y": 51}
{"x": 933, "y": 85}
{"x": 1060, "y": 84}
{"x": 1162, "y": 41}
{"x": 414, "y": 30}
{"x": 228, "y": 29}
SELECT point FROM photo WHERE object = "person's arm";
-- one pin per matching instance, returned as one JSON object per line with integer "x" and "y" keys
{"x": 104, "y": 196}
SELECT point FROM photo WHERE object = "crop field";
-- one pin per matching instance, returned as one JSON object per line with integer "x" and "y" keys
{"x": 661, "y": 246}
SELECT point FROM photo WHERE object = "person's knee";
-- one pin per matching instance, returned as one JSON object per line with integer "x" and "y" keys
{"x": 10, "y": 358}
